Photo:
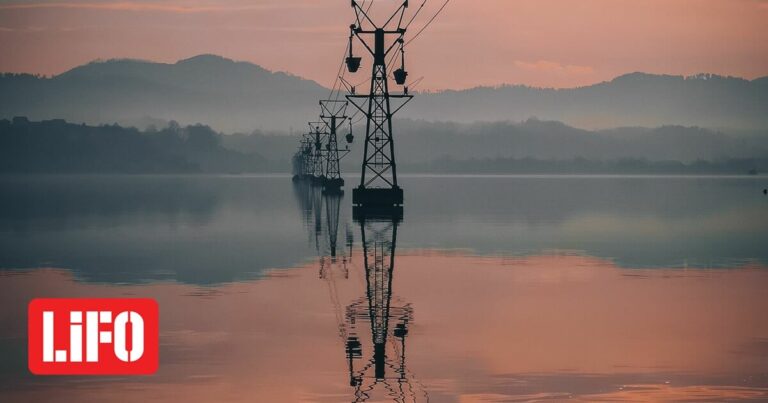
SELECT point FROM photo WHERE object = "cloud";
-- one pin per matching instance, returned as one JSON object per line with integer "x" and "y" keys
{"x": 24, "y": 29}
{"x": 547, "y": 66}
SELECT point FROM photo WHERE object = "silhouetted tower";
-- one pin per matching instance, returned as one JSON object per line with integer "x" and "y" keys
{"x": 379, "y": 258}
{"x": 317, "y": 133}
{"x": 334, "y": 114}
{"x": 375, "y": 325}
{"x": 317, "y": 210}
{"x": 378, "y": 182}
{"x": 381, "y": 310}
{"x": 301, "y": 190}
{"x": 296, "y": 161}
{"x": 307, "y": 163}
{"x": 332, "y": 207}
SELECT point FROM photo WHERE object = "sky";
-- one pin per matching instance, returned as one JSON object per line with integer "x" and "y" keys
{"x": 543, "y": 43}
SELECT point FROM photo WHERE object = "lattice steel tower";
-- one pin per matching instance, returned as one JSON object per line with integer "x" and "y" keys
{"x": 389, "y": 320}
{"x": 317, "y": 134}
{"x": 306, "y": 152}
{"x": 378, "y": 182}
{"x": 334, "y": 114}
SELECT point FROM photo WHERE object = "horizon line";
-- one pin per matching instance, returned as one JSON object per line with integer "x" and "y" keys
{"x": 429, "y": 91}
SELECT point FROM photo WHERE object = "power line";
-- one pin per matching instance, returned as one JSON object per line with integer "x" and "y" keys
{"x": 392, "y": 58}
{"x": 429, "y": 22}
{"x": 340, "y": 72}
{"x": 336, "y": 88}
{"x": 413, "y": 17}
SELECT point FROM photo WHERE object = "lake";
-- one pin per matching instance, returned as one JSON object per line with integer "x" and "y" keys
{"x": 489, "y": 289}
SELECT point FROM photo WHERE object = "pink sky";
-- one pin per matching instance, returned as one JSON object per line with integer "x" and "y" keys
{"x": 557, "y": 43}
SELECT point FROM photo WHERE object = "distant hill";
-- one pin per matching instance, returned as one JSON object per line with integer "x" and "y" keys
{"x": 227, "y": 95}
{"x": 241, "y": 97}
{"x": 55, "y": 146}
{"x": 635, "y": 99}
{"x": 553, "y": 140}
{"x": 441, "y": 146}
{"x": 533, "y": 146}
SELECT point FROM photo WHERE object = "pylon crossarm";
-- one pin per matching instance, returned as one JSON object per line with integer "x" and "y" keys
{"x": 390, "y": 48}
{"x": 314, "y": 127}
{"x": 327, "y": 120}
{"x": 358, "y": 11}
{"x": 385, "y": 31}
{"x": 400, "y": 20}
{"x": 347, "y": 85}
{"x": 362, "y": 109}
{"x": 362, "y": 40}
{"x": 407, "y": 98}
{"x": 401, "y": 11}
{"x": 339, "y": 108}
{"x": 358, "y": 33}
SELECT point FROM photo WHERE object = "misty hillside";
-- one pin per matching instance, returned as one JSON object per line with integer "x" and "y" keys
{"x": 206, "y": 89}
{"x": 533, "y": 146}
{"x": 419, "y": 142}
{"x": 55, "y": 146}
{"x": 554, "y": 140}
{"x": 631, "y": 100}
{"x": 241, "y": 97}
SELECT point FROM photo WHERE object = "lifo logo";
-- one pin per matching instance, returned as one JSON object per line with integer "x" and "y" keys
{"x": 116, "y": 336}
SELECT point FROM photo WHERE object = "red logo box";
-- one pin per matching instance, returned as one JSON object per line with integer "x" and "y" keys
{"x": 84, "y": 336}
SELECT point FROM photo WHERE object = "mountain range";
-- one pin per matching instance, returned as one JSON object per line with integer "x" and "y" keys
{"x": 235, "y": 96}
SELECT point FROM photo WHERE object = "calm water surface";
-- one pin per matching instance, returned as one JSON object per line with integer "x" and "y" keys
{"x": 489, "y": 289}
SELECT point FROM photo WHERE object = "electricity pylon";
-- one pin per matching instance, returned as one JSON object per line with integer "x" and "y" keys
{"x": 373, "y": 328}
{"x": 303, "y": 160}
{"x": 389, "y": 320}
{"x": 297, "y": 164}
{"x": 332, "y": 208}
{"x": 378, "y": 182}
{"x": 334, "y": 114}
{"x": 317, "y": 134}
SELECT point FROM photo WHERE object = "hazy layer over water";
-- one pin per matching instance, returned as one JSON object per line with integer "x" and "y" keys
{"x": 215, "y": 229}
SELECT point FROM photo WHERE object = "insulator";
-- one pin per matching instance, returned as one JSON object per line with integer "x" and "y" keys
{"x": 353, "y": 63}
{"x": 350, "y": 137}
{"x": 400, "y": 330}
{"x": 400, "y": 76}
